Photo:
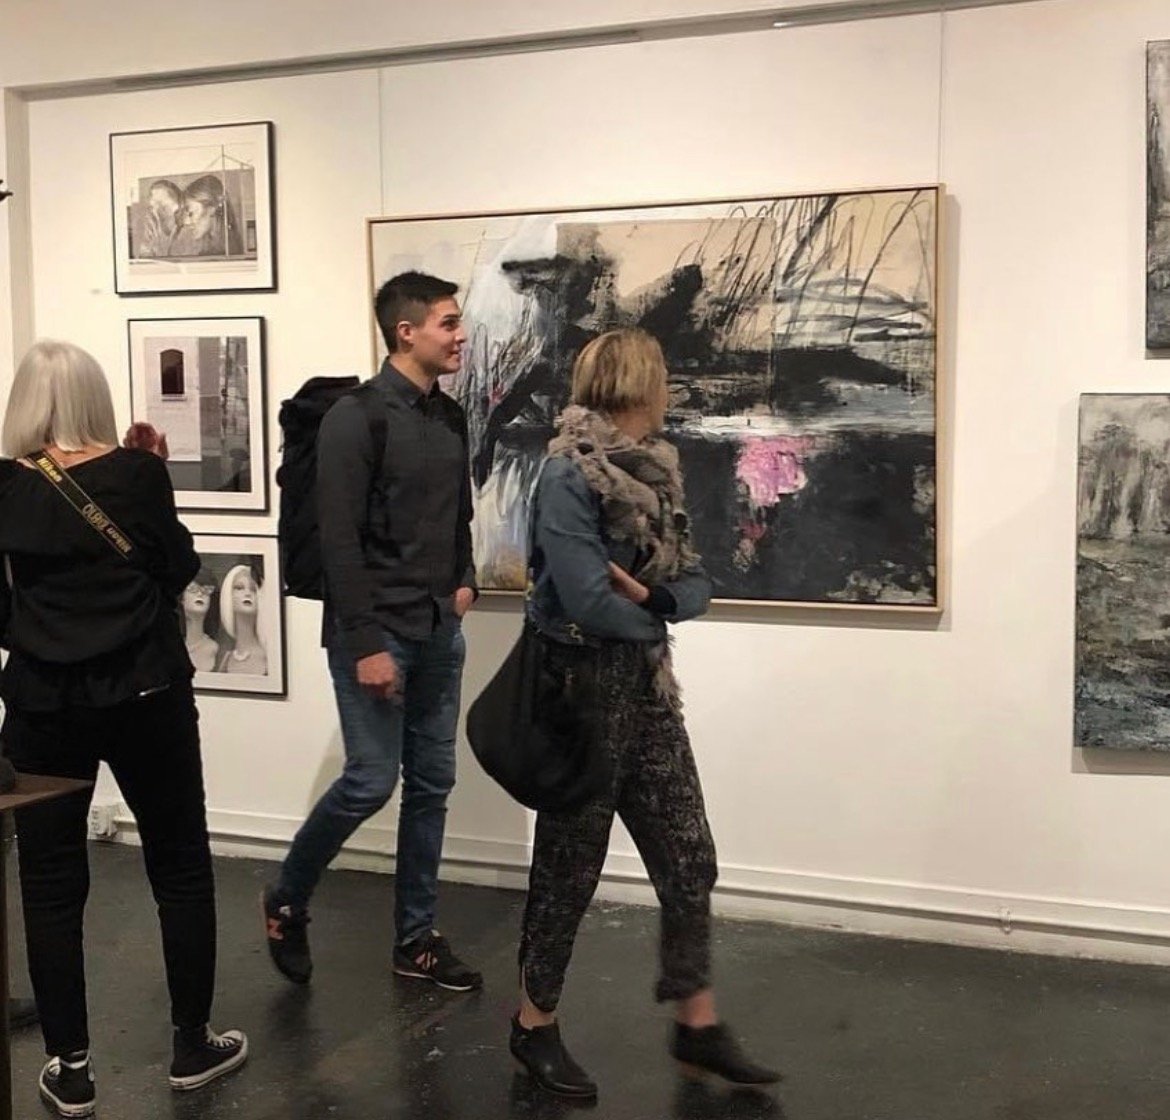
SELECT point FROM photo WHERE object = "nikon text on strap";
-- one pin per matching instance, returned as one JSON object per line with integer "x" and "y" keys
{"x": 83, "y": 503}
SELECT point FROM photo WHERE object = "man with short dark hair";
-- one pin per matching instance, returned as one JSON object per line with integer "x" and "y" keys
{"x": 395, "y": 521}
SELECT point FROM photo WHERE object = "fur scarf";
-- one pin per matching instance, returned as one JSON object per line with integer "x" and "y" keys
{"x": 641, "y": 491}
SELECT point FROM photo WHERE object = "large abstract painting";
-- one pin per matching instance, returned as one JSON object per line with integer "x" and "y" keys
{"x": 1158, "y": 195}
{"x": 1123, "y": 557}
{"x": 800, "y": 336}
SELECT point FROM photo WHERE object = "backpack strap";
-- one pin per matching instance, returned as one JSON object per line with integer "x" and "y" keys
{"x": 530, "y": 529}
{"x": 87, "y": 508}
{"x": 375, "y": 408}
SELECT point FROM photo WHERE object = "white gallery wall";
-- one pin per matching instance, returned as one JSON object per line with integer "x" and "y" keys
{"x": 913, "y": 776}
{"x": 66, "y": 41}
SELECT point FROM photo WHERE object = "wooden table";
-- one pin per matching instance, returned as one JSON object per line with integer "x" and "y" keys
{"x": 30, "y": 788}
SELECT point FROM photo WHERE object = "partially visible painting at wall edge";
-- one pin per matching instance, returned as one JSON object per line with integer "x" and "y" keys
{"x": 1158, "y": 195}
{"x": 1122, "y": 635}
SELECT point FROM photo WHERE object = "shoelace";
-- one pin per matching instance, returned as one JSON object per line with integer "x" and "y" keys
{"x": 218, "y": 1041}
{"x": 57, "y": 1064}
{"x": 436, "y": 948}
{"x": 291, "y": 919}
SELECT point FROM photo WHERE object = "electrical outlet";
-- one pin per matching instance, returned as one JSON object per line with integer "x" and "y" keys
{"x": 102, "y": 821}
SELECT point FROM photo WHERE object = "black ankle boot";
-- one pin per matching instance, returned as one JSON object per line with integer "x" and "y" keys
{"x": 540, "y": 1051}
{"x": 703, "y": 1050}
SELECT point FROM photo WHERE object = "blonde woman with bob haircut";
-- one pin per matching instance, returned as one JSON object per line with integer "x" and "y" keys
{"x": 60, "y": 398}
{"x": 98, "y": 671}
{"x": 612, "y": 564}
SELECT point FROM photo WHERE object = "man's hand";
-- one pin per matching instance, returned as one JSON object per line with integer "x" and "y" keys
{"x": 378, "y": 675}
{"x": 464, "y": 601}
{"x": 626, "y": 586}
{"x": 144, "y": 437}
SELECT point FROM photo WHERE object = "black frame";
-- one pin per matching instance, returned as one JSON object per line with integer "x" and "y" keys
{"x": 269, "y": 153}
{"x": 275, "y": 579}
{"x": 263, "y": 485}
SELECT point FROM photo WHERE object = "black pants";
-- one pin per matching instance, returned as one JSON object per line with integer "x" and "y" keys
{"x": 152, "y": 746}
{"x": 657, "y": 794}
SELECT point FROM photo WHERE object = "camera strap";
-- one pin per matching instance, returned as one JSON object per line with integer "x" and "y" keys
{"x": 89, "y": 510}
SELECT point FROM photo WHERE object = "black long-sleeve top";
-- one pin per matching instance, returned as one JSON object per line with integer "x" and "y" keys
{"x": 395, "y": 521}
{"x": 90, "y": 627}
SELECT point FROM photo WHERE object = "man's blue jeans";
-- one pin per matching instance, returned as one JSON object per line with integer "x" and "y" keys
{"x": 416, "y": 736}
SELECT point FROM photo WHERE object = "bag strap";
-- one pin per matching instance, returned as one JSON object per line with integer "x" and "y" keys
{"x": 89, "y": 510}
{"x": 530, "y": 528}
{"x": 375, "y": 409}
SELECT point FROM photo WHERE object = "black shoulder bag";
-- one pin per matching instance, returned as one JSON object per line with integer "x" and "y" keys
{"x": 536, "y": 728}
{"x": 5, "y": 597}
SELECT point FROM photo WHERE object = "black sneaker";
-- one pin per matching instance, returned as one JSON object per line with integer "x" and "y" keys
{"x": 67, "y": 1084}
{"x": 288, "y": 939}
{"x": 202, "y": 1056}
{"x": 429, "y": 957}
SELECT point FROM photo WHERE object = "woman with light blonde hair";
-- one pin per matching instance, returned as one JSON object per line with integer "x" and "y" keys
{"x": 611, "y": 564}
{"x": 98, "y": 671}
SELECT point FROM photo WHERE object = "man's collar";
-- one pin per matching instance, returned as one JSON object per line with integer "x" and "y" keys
{"x": 392, "y": 377}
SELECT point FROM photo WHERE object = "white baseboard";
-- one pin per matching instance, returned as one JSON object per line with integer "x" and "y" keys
{"x": 1065, "y": 927}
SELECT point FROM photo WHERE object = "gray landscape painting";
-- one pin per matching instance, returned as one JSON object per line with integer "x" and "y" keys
{"x": 1123, "y": 573}
{"x": 1158, "y": 196}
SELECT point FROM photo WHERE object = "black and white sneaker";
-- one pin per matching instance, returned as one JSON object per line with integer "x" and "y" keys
{"x": 429, "y": 957}
{"x": 202, "y": 1056}
{"x": 67, "y": 1084}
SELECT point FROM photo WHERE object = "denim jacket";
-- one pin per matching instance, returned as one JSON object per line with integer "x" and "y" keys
{"x": 569, "y": 594}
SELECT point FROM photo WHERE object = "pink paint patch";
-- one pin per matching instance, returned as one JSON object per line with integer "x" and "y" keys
{"x": 752, "y": 530}
{"x": 772, "y": 467}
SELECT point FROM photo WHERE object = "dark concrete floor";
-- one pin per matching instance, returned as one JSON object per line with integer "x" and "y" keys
{"x": 865, "y": 1028}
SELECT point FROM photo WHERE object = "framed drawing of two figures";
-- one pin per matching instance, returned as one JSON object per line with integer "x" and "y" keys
{"x": 192, "y": 210}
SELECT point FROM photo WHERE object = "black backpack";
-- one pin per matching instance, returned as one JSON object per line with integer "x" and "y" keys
{"x": 300, "y": 419}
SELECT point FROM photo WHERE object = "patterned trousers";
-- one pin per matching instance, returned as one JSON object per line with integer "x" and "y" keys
{"x": 657, "y": 794}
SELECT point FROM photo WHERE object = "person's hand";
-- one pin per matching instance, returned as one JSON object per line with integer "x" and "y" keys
{"x": 378, "y": 675}
{"x": 144, "y": 437}
{"x": 626, "y": 586}
{"x": 464, "y": 601}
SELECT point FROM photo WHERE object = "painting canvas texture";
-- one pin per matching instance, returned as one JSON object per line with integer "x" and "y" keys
{"x": 1158, "y": 196}
{"x": 1123, "y": 557}
{"x": 800, "y": 339}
